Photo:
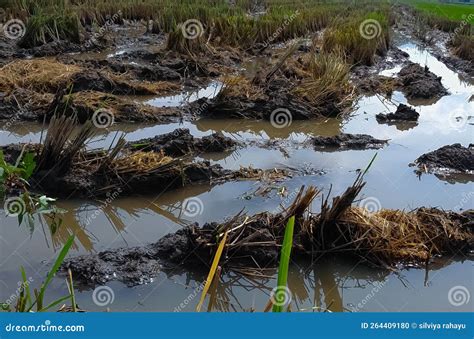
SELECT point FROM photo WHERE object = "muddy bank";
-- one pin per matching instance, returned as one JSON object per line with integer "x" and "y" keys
{"x": 448, "y": 159}
{"x": 346, "y": 141}
{"x": 37, "y": 89}
{"x": 65, "y": 168}
{"x": 368, "y": 81}
{"x": 180, "y": 142}
{"x": 415, "y": 81}
{"x": 403, "y": 113}
{"x": 245, "y": 108}
{"x": 384, "y": 238}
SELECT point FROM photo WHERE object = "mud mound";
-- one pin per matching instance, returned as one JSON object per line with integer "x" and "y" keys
{"x": 403, "y": 113}
{"x": 132, "y": 266}
{"x": 84, "y": 104}
{"x": 451, "y": 158}
{"x": 347, "y": 141}
{"x": 24, "y": 105}
{"x": 259, "y": 108}
{"x": 180, "y": 142}
{"x": 420, "y": 83}
{"x": 146, "y": 72}
{"x": 92, "y": 181}
{"x": 373, "y": 84}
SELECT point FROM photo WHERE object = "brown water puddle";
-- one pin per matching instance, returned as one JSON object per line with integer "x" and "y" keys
{"x": 335, "y": 283}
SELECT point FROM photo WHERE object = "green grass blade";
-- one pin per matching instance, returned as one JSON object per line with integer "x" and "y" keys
{"x": 54, "y": 303}
{"x": 285, "y": 259}
{"x": 54, "y": 269}
{"x": 26, "y": 286}
{"x": 370, "y": 164}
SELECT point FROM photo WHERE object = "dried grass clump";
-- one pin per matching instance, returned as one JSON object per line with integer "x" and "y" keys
{"x": 463, "y": 46}
{"x": 178, "y": 42}
{"x": 140, "y": 163}
{"x": 388, "y": 236}
{"x": 84, "y": 104}
{"x": 384, "y": 238}
{"x": 273, "y": 175}
{"x": 327, "y": 83}
{"x": 238, "y": 87}
{"x": 39, "y": 75}
{"x": 129, "y": 85}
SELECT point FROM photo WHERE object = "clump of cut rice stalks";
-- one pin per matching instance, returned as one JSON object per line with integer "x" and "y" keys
{"x": 384, "y": 238}
{"x": 259, "y": 174}
{"x": 39, "y": 75}
{"x": 463, "y": 46}
{"x": 140, "y": 162}
{"x": 239, "y": 86}
{"x": 360, "y": 39}
{"x": 63, "y": 143}
{"x": 388, "y": 236}
{"x": 180, "y": 42}
{"x": 327, "y": 84}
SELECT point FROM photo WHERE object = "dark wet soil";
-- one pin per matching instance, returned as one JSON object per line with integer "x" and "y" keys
{"x": 451, "y": 158}
{"x": 347, "y": 141}
{"x": 403, "y": 113}
{"x": 180, "y": 142}
{"x": 419, "y": 82}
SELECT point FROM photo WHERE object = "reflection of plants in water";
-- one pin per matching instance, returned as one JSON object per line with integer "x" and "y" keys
{"x": 27, "y": 301}
{"x": 18, "y": 201}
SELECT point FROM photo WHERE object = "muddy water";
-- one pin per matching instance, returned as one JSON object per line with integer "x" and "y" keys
{"x": 338, "y": 284}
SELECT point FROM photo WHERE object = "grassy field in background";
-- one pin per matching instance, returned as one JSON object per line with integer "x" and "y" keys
{"x": 456, "y": 12}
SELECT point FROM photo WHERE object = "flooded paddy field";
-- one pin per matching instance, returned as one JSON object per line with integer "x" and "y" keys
{"x": 287, "y": 154}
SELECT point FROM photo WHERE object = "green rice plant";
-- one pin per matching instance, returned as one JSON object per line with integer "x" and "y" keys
{"x": 45, "y": 26}
{"x": 16, "y": 174}
{"x": 27, "y": 301}
{"x": 282, "y": 281}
